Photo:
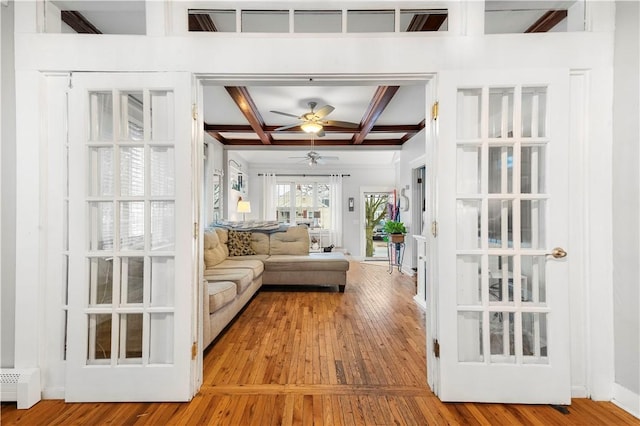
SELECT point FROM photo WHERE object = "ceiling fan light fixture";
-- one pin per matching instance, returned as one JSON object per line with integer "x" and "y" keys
{"x": 311, "y": 127}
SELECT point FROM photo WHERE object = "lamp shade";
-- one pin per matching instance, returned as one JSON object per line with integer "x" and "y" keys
{"x": 244, "y": 207}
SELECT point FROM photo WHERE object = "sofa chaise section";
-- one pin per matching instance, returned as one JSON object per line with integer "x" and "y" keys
{"x": 227, "y": 286}
{"x": 314, "y": 269}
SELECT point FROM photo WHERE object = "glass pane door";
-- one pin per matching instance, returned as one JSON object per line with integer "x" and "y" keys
{"x": 500, "y": 216}
{"x": 130, "y": 204}
{"x": 503, "y": 301}
{"x": 130, "y": 242}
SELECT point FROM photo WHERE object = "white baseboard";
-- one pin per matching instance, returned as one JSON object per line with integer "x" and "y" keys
{"x": 626, "y": 399}
{"x": 408, "y": 271}
{"x": 421, "y": 303}
{"x": 53, "y": 393}
{"x": 579, "y": 392}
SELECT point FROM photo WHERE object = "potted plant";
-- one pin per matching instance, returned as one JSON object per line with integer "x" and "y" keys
{"x": 395, "y": 230}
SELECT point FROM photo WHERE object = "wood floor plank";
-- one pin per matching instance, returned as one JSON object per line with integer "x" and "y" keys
{"x": 320, "y": 357}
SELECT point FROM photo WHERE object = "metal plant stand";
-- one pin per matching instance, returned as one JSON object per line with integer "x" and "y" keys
{"x": 395, "y": 250}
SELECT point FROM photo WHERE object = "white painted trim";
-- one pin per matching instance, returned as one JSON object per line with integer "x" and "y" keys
{"x": 579, "y": 279}
{"x": 407, "y": 269}
{"x": 416, "y": 163}
{"x": 421, "y": 303}
{"x": 29, "y": 144}
{"x": 626, "y": 399}
{"x": 579, "y": 392}
{"x": 53, "y": 393}
{"x": 599, "y": 242}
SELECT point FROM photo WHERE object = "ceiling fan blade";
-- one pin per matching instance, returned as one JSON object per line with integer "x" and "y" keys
{"x": 338, "y": 123}
{"x": 324, "y": 111}
{"x": 330, "y": 157}
{"x": 290, "y": 126}
{"x": 285, "y": 113}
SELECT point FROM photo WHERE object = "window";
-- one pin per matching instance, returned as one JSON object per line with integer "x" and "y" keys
{"x": 304, "y": 203}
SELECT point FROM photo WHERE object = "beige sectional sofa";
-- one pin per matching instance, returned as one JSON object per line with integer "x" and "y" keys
{"x": 238, "y": 263}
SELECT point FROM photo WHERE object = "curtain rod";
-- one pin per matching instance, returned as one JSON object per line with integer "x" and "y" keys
{"x": 303, "y": 175}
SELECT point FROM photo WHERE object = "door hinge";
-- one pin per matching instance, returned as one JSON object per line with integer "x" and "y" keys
{"x": 194, "y": 350}
{"x": 436, "y": 348}
{"x": 195, "y": 229}
{"x": 434, "y": 228}
{"x": 434, "y": 111}
{"x": 194, "y": 112}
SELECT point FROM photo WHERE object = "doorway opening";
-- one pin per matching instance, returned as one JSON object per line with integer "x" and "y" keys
{"x": 376, "y": 213}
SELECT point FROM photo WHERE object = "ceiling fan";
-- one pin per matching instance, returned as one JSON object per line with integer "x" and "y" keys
{"x": 314, "y": 158}
{"x": 312, "y": 121}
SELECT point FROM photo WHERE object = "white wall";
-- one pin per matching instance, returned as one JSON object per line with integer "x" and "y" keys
{"x": 214, "y": 162}
{"x": 412, "y": 157}
{"x": 626, "y": 206}
{"x": 8, "y": 187}
{"x": 231, "y": 197}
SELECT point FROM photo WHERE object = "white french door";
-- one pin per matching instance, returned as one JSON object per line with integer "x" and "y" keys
{"x": 130, "y": 238}
{"x": 503, "y": 307}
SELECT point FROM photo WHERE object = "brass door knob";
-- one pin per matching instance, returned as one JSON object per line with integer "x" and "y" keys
{"x": 558, "y": 253}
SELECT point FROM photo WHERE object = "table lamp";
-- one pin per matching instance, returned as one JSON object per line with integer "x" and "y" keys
{"x": 243, "y": 207}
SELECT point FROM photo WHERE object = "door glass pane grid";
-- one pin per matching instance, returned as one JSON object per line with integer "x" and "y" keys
{"x": 101, "y": 166}
{"x": 469, "y": 113}
{"x": 131, "y": 120}
{"x": 534, "y": 338}
{"x": 501, "y": 107}
{"x": 131, "y": 338}
{"x": 469, "y": 168}
{"x": 120, "y": 222}
{"x": 132, "y": 280}
{"x": 501, "y": 180}
{"x": 161, "y": 121}
{"x": 532, "y": 165}
{"x": 534, "y": 112}
{"x": 132, "y": 167}
{"x": 471, "y": 336}
{"x": 469, "y": 280}
{"x": 532, "y": 220}
{"x": 502, "y": 344}
{"x": 101, "y": 280}
{"x": 101, "y": 107}
{"x": 99, "y": 347}
{"x": 501, "y": 273}
{"x": 534, "y": 291}
{"x": 468, "y": 224}
{"x": 509, "y": 221}
{"x": 160, "y": 344}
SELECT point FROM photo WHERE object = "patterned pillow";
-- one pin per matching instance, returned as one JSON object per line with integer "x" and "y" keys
{"x": 240, "y": 243}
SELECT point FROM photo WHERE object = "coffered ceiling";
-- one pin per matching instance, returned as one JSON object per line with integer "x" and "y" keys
{"x": 384, "y": 115}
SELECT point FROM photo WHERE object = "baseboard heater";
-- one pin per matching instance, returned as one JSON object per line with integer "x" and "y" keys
{"x": 21, "y": 385}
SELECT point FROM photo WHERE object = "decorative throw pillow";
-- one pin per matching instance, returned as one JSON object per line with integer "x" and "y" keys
{"x": 240, "y": 243}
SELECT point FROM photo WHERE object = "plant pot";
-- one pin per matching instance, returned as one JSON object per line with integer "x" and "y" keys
{"x": 397, "y": 238}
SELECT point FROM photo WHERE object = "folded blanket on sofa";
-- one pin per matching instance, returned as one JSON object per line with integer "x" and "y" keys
{"x": 267, "y": 226}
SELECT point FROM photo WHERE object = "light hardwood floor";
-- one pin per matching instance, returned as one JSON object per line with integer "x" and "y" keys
{"x": 325, "y": 358}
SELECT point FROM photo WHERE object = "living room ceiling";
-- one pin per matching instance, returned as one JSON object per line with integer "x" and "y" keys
{"x": 240, "y": 117}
